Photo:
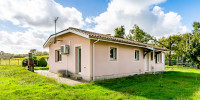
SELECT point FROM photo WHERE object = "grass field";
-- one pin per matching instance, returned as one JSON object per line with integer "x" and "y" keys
{"x": 178, "y": 83}
{"x": 16, "y": 61}
{"x": 11, "y": 62}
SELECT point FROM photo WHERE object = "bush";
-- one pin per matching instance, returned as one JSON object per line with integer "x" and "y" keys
{"x": 25, "y": 62}
{"x": 35, "y": 61}
{"x": 42, "y": 62}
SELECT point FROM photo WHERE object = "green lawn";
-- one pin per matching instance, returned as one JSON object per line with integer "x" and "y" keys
{"x": 178, "y": 83}
{"x": 41, "y": 68}
{"x": 16, "y": 61}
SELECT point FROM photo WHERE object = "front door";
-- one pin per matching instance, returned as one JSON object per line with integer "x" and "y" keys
{"x": 79, "y": 59}
{"x": 146, "y": 63}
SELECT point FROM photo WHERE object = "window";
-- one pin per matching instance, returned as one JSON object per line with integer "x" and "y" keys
{"x": 113, "y": 53}
{"x": 158, "y": 58}
{"x": 151, "y": 55}
{"x": 58, "y": 56}
{"x": 136, "y": 55}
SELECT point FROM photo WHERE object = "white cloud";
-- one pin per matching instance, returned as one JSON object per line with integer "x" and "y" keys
{"x": 39, "y": 14}
{"x": 22, "y": 42}
{"x": 36, "y": 17}
{"x": 130, "y": 12}
{"x": 88, "y": 20}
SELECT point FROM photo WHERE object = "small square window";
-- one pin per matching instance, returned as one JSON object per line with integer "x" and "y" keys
{"x": 136, "y": 55}
{"x": 113, "y": 53}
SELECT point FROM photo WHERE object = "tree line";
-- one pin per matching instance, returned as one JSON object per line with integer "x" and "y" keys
{"x": 186, "y": 45}
{"x": 4, "y": 55}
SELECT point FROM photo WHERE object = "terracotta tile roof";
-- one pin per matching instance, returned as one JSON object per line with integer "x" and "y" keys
{"x": 111, "y": 38}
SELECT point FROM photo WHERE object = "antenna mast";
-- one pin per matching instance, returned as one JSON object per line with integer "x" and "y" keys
{"x": 55, "y": 29}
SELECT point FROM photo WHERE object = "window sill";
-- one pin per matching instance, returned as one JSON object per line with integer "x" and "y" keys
{"x": 113, "y": 59}
{"x": 58, "y": 61}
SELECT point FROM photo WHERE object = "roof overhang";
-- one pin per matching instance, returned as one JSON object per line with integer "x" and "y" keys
{"x": 51, "y": 37}
{"x": 146, "y": 47}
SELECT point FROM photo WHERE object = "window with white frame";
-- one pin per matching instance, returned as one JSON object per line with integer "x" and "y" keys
{"x": 158, "y": 58}
{"x": 136, "y": 55}
{"x": 58, "y": 56}
{"x": 113, "y": 53}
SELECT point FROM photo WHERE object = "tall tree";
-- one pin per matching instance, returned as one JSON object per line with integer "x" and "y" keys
{"x": 120, "y": 32}
{"x": 170, "y": 43}
{"x": 194, "y": 51}
{"x": 38, "y": 53}
{"x": 184, "y": 44}
{"x": 33, "y": 51}
{"x": 137, "y": 34}
{"x": 45, "y": 53}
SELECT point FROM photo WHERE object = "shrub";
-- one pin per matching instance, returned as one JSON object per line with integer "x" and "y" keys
{"x": 42, "y": 62}
{"x": 35, "y": 61}
{"x": 25, "y": 62}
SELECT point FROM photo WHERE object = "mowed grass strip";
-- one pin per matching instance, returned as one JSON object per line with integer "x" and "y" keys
{"x": 178, "y": 83}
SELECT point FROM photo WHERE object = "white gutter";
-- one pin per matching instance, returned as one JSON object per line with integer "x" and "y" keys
{"x": 67, "y": 58}
{"x": 154, "y": 63}
{"x": 118, "y": 42}
{"x": 93, "y": 61}
{"x": 147, "y": 47}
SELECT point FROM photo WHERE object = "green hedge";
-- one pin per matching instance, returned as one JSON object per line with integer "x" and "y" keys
{"x": 42, "y": 62}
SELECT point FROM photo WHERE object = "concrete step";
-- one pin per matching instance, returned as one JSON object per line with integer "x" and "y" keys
{"x": 76, "y": 76}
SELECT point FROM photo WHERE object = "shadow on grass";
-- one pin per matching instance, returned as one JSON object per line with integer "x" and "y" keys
{"x": 168, "y": 85}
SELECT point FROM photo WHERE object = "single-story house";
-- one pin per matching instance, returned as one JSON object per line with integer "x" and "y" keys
{"x": 95, "y": 56}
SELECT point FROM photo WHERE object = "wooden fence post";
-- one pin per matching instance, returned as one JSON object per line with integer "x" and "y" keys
{"x": 0, "y": 61}
{"x": 18, "y": 61}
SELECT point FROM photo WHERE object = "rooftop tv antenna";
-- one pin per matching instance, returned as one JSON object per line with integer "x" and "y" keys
{"x": 55, "y": 29}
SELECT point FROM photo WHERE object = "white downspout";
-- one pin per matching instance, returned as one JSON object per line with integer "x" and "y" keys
{"x": 93, "y": 61}
{"x": 67, "y": 58}
{"x": 154, "y": 61}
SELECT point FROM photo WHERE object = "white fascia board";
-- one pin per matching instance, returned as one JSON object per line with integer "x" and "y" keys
{"x": 147, "y": 47}
{"x": 118, "y": 42}
{"x": 64, "y": 32}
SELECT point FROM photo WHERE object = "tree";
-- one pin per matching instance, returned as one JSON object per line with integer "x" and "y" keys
{"x": 170, "y": 43}
{"x": 2, "y": 52}
{"x": 38, "y": 53}
{"x": 194, "y": 51}
{"x": 137, "y": 34}
{"x": 45, "y": 53}
{"x": 120, "y": 32}
{"x": 33, "y": 51}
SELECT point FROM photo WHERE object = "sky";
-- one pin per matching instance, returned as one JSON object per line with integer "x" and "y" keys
{"x": 26, "y": 24}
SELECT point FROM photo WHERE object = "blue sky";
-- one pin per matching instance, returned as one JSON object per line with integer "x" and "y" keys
{"x": 188, "y": 9}
{"x": 34, "y": 18}
{"x": 87, "y": 7}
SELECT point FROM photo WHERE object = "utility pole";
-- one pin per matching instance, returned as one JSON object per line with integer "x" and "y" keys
{"x": 55, "y": 29}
